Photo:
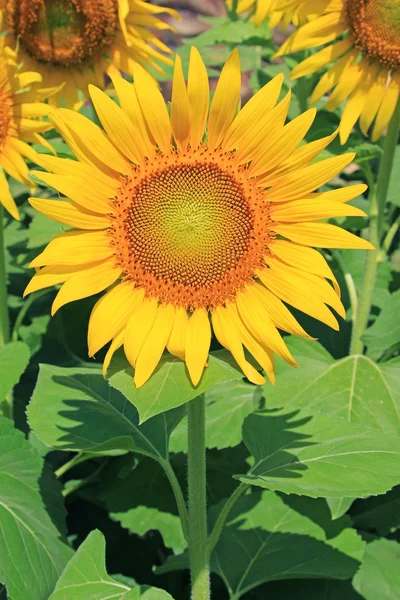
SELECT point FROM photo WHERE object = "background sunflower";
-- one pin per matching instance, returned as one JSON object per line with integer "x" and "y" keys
{"x": 77, "y": 42}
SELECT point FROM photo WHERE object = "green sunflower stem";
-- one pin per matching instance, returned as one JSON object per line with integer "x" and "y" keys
{"x": 378, "y": 198}
{"x": 198, "y": 552}
{"x": 5, "y": 403}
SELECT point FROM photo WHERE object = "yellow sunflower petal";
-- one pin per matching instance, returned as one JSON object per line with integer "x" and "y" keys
{"x": 116, "y": 343}
{"x": 6, "y": 198}
{"x": 387, "y": 108}
{"x": 258, "y": 322}
{"x": 69, "y": 214}
{"x": 153, "y": 108}
{"x": 225, "y": 101}
{"x": 294, "y": 290}
{"x": 262, "y": 102}
{"x": 228, "y": 336}
{"x": 111, "y": 313}
{"x": 86, "y": 283}
{"x": 197, "y": 344}
{"x": 75, "y": 248}
{"x": 176, "y": 342}
{"x": 198, "y": 95}
{"x": 262, "y": 354}
{"x": 138, "y": 328}
{"x": 322, "y": 235}
{"x": 180, "y": 108}
{"x": 154, "y": 344}
{"x": 115, "y": 122}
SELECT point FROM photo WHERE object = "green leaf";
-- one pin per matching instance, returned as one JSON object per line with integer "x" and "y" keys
{"x": 225, "y": 31}
{"x": 379, "y": 514}
{"x": 385, "y": 332}
{"x": 41, "y": 230}
{"x": 86, "y": 575}
{"x": 303, "y": 452}
{"x": 393, "y": 192}
{"x": 339, "y": 506}
{"x": 365, "y": 152}
{"x": 354, "y": 388}
{"x": 75, "y": 409}
{"x": 355, "y": 262}
{"x": 170, "y": 386}
{"x": 311, "y": 589}
{"x": 32, "y": 334}
{"x": 228, "y": 404}
{"x": 270, "y": 537}
{"x": 379, "y": 574}
{"x": 32, "y": 555}
{"x": 139, "y": 496}
{"x": 14, "y": 359}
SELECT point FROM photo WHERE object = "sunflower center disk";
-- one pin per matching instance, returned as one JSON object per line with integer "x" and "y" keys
{"x": 375, "y": 25}
{"x": 63, "y": 32}
{"x": 189, "y": 233}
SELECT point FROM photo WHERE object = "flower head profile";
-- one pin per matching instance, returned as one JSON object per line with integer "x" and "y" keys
{"x": 20, "y": 106}
{"x": 77, "y": 42}
{"x": 360, "y": 57}
{"x": 196, "y": 220}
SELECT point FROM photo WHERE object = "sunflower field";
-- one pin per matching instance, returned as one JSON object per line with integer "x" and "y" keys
{"x": 199, "y": 299}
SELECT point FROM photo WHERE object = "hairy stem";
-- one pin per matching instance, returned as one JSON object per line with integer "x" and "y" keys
{"x": 199, "y": 568}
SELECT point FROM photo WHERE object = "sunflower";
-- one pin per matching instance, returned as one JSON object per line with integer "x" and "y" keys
{"x": 261, "y": 9}
{"x": 361, "y": 58}
{"x": 20, "y": 96}
{"x": 189, "y": 233}
{"x": 77, "y": 42}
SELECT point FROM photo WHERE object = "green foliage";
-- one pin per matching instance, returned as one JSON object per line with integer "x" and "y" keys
{"x": 384, "y": 334}
{"x": 303, "y": 478}
{"x": 310, "y": 453}
{"x": 170, "y": 386}
{"x": 379, "y": 576}
{"x": 32, "y": 517}
{"x": 75, "y": 409}
{"x": 86, "y": 575}
{"x": 14, "y": 358}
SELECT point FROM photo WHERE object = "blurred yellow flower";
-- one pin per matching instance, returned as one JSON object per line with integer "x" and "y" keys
{"x": 272, "y": 9}
{"x": 20, "y": 95}
{"x": 361, "y": 58}
{"x": 192, "y": 233}
{"x": 77, "y": 42}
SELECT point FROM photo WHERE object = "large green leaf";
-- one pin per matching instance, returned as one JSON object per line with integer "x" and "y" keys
{"x": 139, "y": 496}
{"x": 354, "y": 388}
{"x": 270, "y": 537}
{"x": 228, "y": 404}
{"x": 379, "y": 574}
{"x": 170, "y": 386}
{"x": 385, "y": 332}
{"x": 304, "y": 452}
{"x": 14, "y": 358}
{"x": 309, "y": 589}
{"x": 76, "y": 409}
{"x": 85, "y": 577}
{"x": 32, "y": 555}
